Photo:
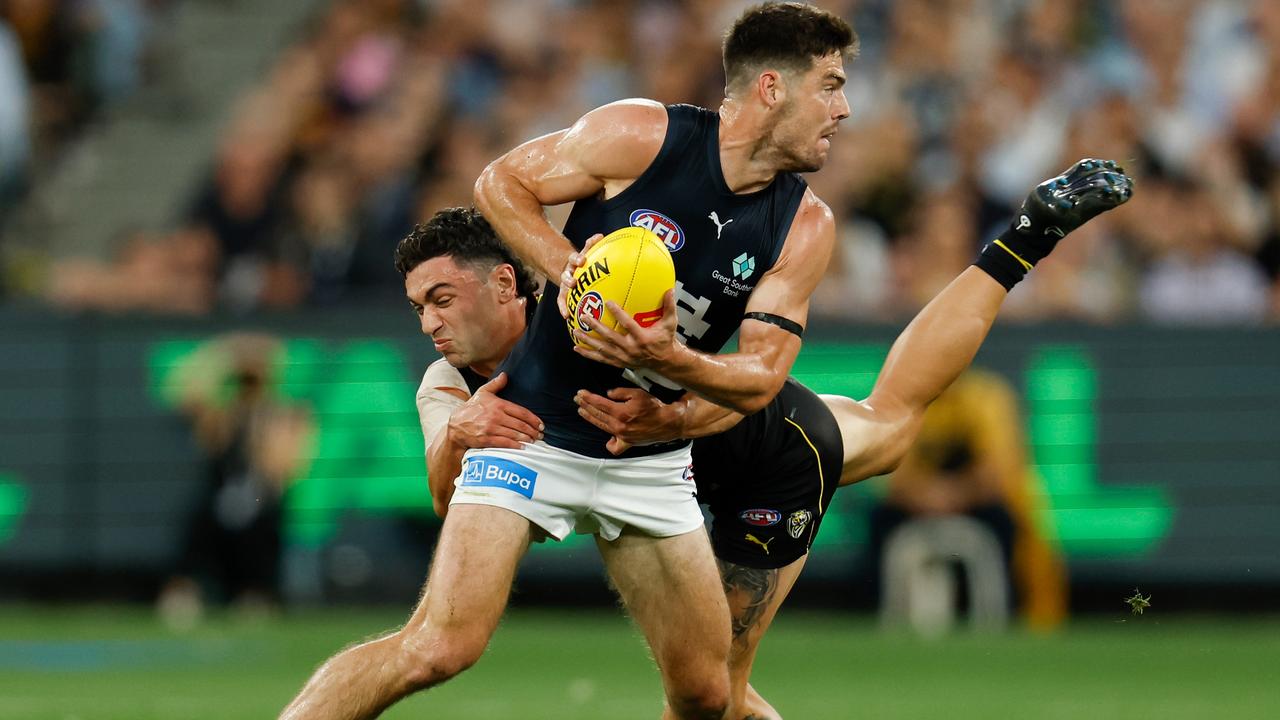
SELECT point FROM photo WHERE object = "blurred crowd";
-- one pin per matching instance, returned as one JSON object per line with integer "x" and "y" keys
{"x": 382, "y": 111}
{"x": 61, "y": 63}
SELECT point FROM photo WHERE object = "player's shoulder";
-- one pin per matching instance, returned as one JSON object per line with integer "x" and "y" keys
{"x": 813, "y": 214}
{"x": 618, "y": 140}
{"x": 440, "y": 374}
{"x": 636, "y": 108}
{"x": 811, "y": 236}
{"x": 634, "y": 118}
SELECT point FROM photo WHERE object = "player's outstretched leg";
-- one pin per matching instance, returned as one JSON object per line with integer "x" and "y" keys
{"x": 669, "y": 586}
{"x": 466, "y": 592}
{"x": 754, "y": 596}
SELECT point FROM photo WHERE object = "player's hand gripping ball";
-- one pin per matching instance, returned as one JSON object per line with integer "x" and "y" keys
{"x": 631, "y": 267}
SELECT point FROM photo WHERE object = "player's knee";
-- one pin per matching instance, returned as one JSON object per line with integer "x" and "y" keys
{"x": 705, "y": 706}
{"x": 705, "y": 699}
{"x": 433, "y": 657}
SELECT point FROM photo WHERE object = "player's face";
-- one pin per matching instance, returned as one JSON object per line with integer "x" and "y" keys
{"x": 457, "y": 308}
{"x": 814, "y": 106}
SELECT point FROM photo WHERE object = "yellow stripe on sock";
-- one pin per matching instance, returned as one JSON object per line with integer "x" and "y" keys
{"x": 1015, "y": 255}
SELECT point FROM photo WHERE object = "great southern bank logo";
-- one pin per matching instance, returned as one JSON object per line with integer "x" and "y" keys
{"x": 744, "y": 266}
{"x": 490, "y": 471}
{"x": 664, "y": 227}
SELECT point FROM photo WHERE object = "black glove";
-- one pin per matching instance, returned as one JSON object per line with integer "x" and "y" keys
{"x": 1054, "y": 208}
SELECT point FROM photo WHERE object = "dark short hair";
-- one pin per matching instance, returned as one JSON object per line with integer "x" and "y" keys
{"x": 464, "y": 235}
{"x": 785, "y": 35}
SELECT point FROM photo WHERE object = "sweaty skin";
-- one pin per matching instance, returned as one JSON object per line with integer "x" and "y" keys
{"x": 938, "y": 344}
{"x": 604, "y": 153}
{"x": 927, "y": 357}
{"x": 761, "y": 134}
{"x": 667, "y": 583}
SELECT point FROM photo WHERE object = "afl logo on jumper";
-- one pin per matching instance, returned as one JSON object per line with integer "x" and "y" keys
{"x": 664, "y": 227}
{"x": 761, "y": 517}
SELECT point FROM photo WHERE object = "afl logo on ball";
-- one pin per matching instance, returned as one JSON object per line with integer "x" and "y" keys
{"x": 664, "y": 227}
{"x": 760, "y": 517}
{"x": 592, "y": 305}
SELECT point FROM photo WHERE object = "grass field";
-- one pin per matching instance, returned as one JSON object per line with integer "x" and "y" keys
{"x": 96, "y": 663}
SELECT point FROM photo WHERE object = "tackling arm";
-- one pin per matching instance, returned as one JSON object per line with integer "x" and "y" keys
{"x": 442, "y": 392}
{"x": 634, "y": 417}
{"x": 453, "y": 422}
{"x": 444, "y": 463}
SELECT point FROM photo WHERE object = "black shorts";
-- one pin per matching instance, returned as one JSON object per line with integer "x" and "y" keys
{"x": 768, "y": 481}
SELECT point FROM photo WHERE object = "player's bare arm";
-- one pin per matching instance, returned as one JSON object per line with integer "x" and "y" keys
{"x": 634, "y": 417}
{"x": 768, "y": 341}
{"x": 603, "y": 152}
{"x": 944, "y": 337}
{"x": 484, "y": 420}
{"x": 442, "y": 454}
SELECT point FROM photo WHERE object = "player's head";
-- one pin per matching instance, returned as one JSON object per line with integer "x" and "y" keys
{"x": 465, "y": 285}
{"x": 788, "y": 58}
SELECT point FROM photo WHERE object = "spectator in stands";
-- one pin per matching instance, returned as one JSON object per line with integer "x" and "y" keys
{"x": 255, "y": 443}
{"x": 80, "y": 56}
{"x": 1201, "y": 278}
{"x": 971, "y": 98}
{"x": 155, "y": 273}
{"x": 938, "y": 247}
{"x": 971, "y": 460}
{"x": 242, "y": 205}
{"x": 15, "y": 138}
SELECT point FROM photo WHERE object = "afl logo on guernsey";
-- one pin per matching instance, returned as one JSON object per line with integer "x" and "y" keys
{"x": 661, "y": 225}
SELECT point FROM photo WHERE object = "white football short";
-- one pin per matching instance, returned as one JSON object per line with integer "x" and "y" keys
{"x": 563, "y": 492}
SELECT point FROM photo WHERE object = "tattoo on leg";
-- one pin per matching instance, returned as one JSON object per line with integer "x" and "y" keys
{"x": 750, "y": 590}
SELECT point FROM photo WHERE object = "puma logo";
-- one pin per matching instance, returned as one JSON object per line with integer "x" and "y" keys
{"x": 756, "y": 540}
{"x": 715, "y": 218}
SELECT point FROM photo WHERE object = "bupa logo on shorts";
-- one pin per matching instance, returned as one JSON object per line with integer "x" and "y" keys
{"x": 761, "y": 517}
{"x": 664, "y": 227}
{"x": 496, "y": 472}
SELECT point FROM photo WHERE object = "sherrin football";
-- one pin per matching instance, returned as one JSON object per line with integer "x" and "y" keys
{"x": 631, "y": 267}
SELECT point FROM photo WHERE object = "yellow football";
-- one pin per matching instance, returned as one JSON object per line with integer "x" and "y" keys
{"x": 631, "y": 267}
